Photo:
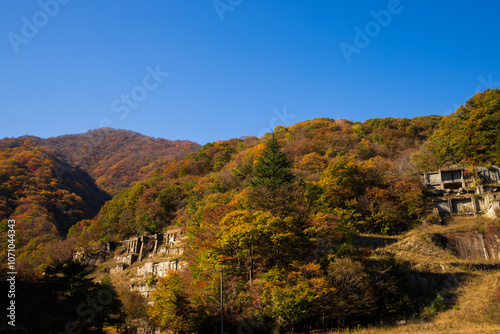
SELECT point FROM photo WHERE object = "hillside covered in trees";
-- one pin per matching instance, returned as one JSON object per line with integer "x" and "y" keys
{"x": 373, "y": 157}
{"x": 282, "y": 208}
{"x": 118, "y": 158}
{"x": 48, "y": 185}
{"x": 469, "y": 136}
{"x": 279, "y": 213}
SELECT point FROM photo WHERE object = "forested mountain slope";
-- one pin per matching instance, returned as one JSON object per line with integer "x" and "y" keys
{"x": 117, "y": 158}
{"x": 47, "y": 185}
{"x": 282, "y": 208}
{"x": 279, "y": 213}
{"x": 43, "y": 193}
{"x": 378, "y": 149}
{"x": 469, "y": 136}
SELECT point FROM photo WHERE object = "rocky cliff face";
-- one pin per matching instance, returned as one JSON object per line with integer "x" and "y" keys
{"x": 470, "y": 245}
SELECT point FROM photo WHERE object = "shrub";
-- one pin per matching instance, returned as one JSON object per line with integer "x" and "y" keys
{"x": 436, "y": 306}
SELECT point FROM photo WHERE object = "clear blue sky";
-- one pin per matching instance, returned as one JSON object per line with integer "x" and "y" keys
{"x": 236, "y": 70}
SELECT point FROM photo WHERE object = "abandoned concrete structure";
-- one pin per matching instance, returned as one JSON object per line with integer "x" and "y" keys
{"x": 140, "y": 248}
{"x": 485, "y": 204}
{"x": 160, "y": 268}
{"x": 155, "y": 254}
{"x": 458, "y": 191}
{"x": 142, "y": 287}
{"x": 455, "y": 178}
{"x": 149, "y": 245}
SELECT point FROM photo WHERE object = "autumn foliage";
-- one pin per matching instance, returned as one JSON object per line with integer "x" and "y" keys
{"x": 280, "y": 214}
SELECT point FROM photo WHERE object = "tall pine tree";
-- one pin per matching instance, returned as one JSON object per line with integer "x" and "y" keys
{"x": 272, "y": 169}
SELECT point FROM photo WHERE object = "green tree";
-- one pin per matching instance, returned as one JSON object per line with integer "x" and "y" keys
{"x": 273, "y": 168}
{"x": 333, "y": 233}
{"x": 171, "y": 305}
{"x": 342, "y": 181}
{"x": 242, "y": 239}
{"x": 292, "y": 296}
{"x": 472, "y": 133}
{"x": 109, "y": 311}
{"x": 90, "y": 305}
{"x": 353, "y": 295}
{"x": 247, "y": 240}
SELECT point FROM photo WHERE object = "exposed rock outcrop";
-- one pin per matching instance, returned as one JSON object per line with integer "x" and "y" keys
{"x": 470, "y": 245}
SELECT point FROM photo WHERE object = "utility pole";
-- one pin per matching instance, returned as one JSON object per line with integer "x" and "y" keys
{"x": 221, "y": 302}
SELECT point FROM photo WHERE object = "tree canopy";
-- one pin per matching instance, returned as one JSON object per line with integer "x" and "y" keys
{"x": 471, "y": 135}
{"x": 272, "y": 168}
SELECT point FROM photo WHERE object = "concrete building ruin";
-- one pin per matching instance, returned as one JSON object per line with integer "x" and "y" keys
{"x": 459, "y": 191}
{"x": 142, "y": 247}
{"x": 160, "y": 268}
{"x": 455, "y": 178}
{"x": 155, "y": 254}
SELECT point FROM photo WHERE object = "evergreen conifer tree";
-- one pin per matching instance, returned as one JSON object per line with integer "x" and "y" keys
{"x": 272, "y": 169}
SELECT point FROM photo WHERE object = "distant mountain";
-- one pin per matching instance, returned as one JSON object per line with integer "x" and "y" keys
{"x": 37, "y": 183}
{"x": 117, "y": 158}
{"x": 43, "y": 193}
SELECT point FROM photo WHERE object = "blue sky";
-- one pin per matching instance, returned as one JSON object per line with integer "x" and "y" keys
{"x": 210, "y": 70}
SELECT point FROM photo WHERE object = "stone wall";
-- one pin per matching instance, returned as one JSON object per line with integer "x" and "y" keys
{"x": 143, "y": 288}
{"x": 127, "y": 259}
{"x": 116, "y": 269}
{"x": 489, "y": 175}
{"x": 494, "y": 210}
{"x": 96, "y": 254}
